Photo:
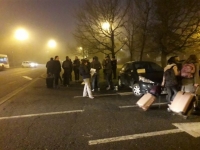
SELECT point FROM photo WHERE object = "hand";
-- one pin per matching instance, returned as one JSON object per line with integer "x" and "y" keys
{"x": 196, "y": 84}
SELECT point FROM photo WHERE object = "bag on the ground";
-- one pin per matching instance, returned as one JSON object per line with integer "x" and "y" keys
{"x": 170, "y": 77}
{"x": 188, "y": 70}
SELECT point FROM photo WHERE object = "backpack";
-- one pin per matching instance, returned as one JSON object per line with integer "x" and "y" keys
{"x": 188, "y": 70}
{"x": 170, "y": 77}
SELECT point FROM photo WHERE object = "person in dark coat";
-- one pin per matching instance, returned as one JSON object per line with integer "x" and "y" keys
{"x": 67, "y": 66}
{"x": 95, "y": 64}
{"x": 56, "y": 70}
{"x": 76, "y": 65}
{"x": 114, "y": 67}
{"x": 108, "y": 71}
{"x": 49, "y": 66}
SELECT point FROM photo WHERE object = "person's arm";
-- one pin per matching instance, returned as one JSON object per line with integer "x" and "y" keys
{"x": 175, "y": 68}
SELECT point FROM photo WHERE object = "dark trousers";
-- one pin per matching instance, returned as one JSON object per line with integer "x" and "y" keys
{"x": 114, "y": 71}
{"x": 76, "y": 74}
{"x": 109, "y": 79}
{"x": 56, "y": 78}
{"x": 171, "y": 92}
{"x": 66, "y": 77}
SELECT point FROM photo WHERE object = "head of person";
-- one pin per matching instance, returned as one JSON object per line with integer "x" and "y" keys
{"x": 84, "y": 61}
{"x": 51, "y": 58}
{"x": 176, "y": 58}
{"x": 95, "y": 58}
{"x": 113, "y": 57}
{"x": 76, "y": 57}
{"x": 171, "y": 60}
{"x": 56, "y": 57}
{"x": 192, "y": 59}
{"x": 67, "y": 57}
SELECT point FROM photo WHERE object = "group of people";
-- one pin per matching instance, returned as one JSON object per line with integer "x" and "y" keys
{"x": 88, "y": 70}
{"x": 54, "y": 67}
{"x": 181, "y": 76}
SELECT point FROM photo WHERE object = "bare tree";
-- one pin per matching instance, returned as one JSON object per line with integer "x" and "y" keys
{"x": 176, "y": 24}
{"x": 100, "y": 25}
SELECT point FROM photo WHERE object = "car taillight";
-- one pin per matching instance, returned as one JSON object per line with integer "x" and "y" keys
{"x": 143, "y": 79}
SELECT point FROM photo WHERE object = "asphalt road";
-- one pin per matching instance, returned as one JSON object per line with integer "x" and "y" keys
{"x": 35, "y": 117}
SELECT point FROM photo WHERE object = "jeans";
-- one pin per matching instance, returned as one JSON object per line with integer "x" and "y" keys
{"x": 76, "y": 74}
{"x": 87, "y": 88}
{"x": 95, "y": 81}
{"x": 171, "y": 91}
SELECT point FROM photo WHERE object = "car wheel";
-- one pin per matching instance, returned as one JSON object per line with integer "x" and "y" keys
{"x": 136, "y": 90}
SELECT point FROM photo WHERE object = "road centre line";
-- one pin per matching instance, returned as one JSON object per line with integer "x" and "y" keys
{"x": 133, "y": 137}
{"x": 132, "y": 106}
{"x": 41, "y": 114}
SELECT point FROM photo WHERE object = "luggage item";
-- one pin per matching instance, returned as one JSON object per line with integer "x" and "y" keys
{"x": 49, "y": 81}
{"x": 145, "y": 101}
{"x": 156, "y": 90}
{"x": 183, "y": 103}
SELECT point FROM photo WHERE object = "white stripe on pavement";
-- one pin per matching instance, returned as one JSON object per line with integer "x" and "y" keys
{"x": 132, "y": 106}
{"x": 133, "y": 137}
{"x": 26, "y": 77}
{"x": 42, "y": 114}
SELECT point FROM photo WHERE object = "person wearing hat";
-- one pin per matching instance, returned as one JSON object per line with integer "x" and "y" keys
{"x": 85, "y": 73}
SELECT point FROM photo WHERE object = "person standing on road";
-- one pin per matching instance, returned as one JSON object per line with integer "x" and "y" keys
{"x": 67, "y": 67}
{"x": 85, "y": 73}
{"x": 76, "y": 65}
{"x": 170, "y": 79}
{"x": 95, "y": 64}
{"x": 108, "y": 71}
{"x": 56, "y": 70}
{"x": 114, "y": 66}
{"x": 49, "y": 66}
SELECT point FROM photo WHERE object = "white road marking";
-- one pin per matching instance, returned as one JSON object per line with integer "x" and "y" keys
{"x": 26, "y": 77}
{"x": 192, "y": 128}
{"x": 126, "y": 93}
{"x": 132, "y": 106}
{"x": 41, "y": 114}
{"x": 98, "y": 95}
{"x": 133, "y": 137}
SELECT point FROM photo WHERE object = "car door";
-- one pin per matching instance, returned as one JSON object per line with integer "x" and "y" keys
{"x": 154, "y": 72}
{"x": 125, "y": 74}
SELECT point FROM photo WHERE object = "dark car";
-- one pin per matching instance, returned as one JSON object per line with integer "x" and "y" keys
{"x": 140, "y": 76}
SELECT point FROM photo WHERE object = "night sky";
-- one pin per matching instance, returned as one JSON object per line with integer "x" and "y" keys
{"x": 43, "y": 19}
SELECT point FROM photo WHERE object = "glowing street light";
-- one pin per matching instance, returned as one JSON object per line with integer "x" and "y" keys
{"x": 106, "y": 25}
{"x": 21, "y": 34}
{"x": 52, "y": 43}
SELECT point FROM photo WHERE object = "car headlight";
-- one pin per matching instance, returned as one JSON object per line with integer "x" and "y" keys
{"x": 143, "y": 79}
{"x": 32, "y": 64}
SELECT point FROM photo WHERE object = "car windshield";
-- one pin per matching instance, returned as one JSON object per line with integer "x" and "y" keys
{"x": 156, "y": 67}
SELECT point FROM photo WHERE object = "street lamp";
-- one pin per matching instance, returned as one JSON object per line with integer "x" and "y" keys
{"x": 52, "y": 43}
{"x": 106, "y": 26}
{"x": 21, "y": 34}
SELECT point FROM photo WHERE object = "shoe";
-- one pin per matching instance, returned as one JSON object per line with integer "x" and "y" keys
{"x": 92, "y": 90}
{"x": 91, "y": 97}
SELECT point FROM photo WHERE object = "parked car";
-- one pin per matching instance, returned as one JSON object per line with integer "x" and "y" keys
{"x": 140, "y": 76}
{"x": 29, "y": 64}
